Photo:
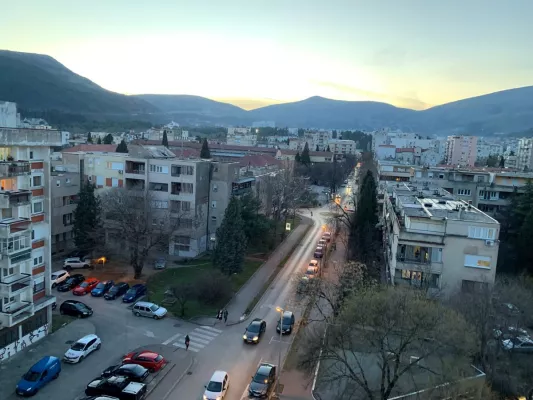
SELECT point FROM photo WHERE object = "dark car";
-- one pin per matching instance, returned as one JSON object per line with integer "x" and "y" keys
{"x": 102, "y": 288}
{"x": 254, "y": 331}
{"x": 286, "y": 323}
{"x": 117, "y": 290}
{"x": 135, "y": 372}
{"x": 263, "y": 381}
{"x": 71, "y": 283}
{"x": 319, "y": 252}
{"x": 134, "y": 293}
{"x": 75, "y": 309}
{"x": 118, "y": 387}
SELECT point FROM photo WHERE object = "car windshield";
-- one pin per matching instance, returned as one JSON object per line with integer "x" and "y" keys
{"x": 114, "y": 289}
{"x": 78, "y": 346}
{"x": 84, "y": 284}
{"x": 310, "y": 272}
{"x": 81, "y": 307}
{"x": 100, "y": 286}
{"x": 131, "y": 292}
{"x": 32, "y": 376}
{"x": 154, "y": 307}
{"x": 70, "y": 281}
{"x": 259, "y": 378}
{"x": 158, "y": 358}
{"x": 214, "y": 386}
{"x": 253, "y": 328}
{"x": 287, "y": 320}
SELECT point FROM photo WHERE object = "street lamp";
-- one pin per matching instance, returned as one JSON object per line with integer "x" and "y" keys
{"x": 280, "y": 310}
{"x": 103, "y": 260}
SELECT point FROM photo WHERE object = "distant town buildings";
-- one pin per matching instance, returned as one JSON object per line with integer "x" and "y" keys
{"x": 241, "y": 137}
{"x": 524, "y": 160}
{"x": 264, "y": 124}
{"x": 461, "y": 150}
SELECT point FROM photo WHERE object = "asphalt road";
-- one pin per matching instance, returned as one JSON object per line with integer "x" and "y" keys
{"x": 229, "y": 353}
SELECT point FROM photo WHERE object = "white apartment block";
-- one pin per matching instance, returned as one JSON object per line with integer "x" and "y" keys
{"x": 436, "y": 242}
{"x": 241, "y": 137}
{"x": 461, "y": 150}
{"x": 25, "y": 261}
{"x": 524, "y": 155}
{"x": 486, "y": 149}
{"x": 9, "y": 118}
{"x": 339, "y": 146}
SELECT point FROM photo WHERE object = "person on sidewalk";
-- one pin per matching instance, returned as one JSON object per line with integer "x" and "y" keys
{"x": 225, "y": 316}
{"x": 219, "y": 315}
{"x": 187, "y": 341}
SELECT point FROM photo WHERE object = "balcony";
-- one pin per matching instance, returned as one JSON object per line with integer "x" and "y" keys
{"x": 137, "y": 168}
{"x": 14, "y": 284}
{"x": 12, "y": 226}
{"x": 9, "y": 199}
{"x": 10, "y": 169}
{"x": 13, "y": 313}
{"x": 242, "y": 186}
{"x": 416, "y": 265}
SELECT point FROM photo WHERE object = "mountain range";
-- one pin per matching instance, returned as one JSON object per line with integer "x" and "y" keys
{"x": 40, "y": 83}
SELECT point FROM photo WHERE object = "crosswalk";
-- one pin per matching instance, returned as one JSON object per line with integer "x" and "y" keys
{"x": 199, "y": 338}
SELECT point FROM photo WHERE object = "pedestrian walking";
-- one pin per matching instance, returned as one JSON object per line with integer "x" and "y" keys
{"x": 226, "y": 316}
{"x": 187, "y": 341}
{"x": 219, "y": 315}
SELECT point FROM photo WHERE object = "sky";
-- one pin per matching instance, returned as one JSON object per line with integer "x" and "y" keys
{"x": 409, "y": 53}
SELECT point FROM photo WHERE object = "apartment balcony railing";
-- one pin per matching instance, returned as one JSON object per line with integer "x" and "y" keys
{"x": 12, "y": 285}
{"x": 135, "y": 171}
{"x": 14, "y": 168}
{"x": 13, "y": 313}
{"x": 17, "y": 198}
{"x": 417, "y": 264}
{"x": 11, "y": 226}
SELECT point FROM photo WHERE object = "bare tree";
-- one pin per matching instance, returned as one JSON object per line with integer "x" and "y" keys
{"x": 143, "y": 222}
{"x": 386, "y": 339}
{"x": 183, "y": 293}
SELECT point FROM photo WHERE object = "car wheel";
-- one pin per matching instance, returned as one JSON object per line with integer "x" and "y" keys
{"x": 137, "y": 314}
{"x": 68, "y": 268}
{"x": 56, "y": 376}
{"x": 156, "y": 317}
{"x": 54, "y": 285}
{"x": 151, "y": 370}
{"x": 81, "y": 359}
{"x": 99, "y": 346}
{"x": 86, "y": 266}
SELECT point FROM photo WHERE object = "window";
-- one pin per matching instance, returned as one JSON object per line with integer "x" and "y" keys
{"x": 185, "y": 223}
{"x": 38, "y": 285}
{"x": 8, "y": 300}
{"x": 473, "y": 286}
{"x": 31, "y": 155}
{"x": 182, "y": 243}
{"x": 161, "y": 169}
{"x": 473, "y": 261}
{"x": 100, "y": 181}
{"x": 8, "y": 272}
{"x": 215, "y": 187}
{"x": 38, "y": 207}
{"x": 114, "y": 182}
{"x": 32, "y": 234}
{"x": 14, "y": 244}
{"x": 441, "y": 176}
{"x": 214, "y": 204}
{"x": 8, "y": 336}
{"x": 213, "y": 218}
{"x": 39, "y": 260}
{"x": 58, "y": 183}
{"x": 37, "y": 181}
{"x": 158, "y": 187}
{"x": 68, "y": 219}
{"x": 187, "y": 187}
{"x": 478, "y": 232}
{"x": 67, "y": 181}
{"x": 160, "y": 204}
{"x": 463, "y": 192}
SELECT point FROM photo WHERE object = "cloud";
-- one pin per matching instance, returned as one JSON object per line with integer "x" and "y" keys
{"x": 399, "y": 101}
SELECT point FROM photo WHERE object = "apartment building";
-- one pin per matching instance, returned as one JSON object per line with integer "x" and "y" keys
{"x": 339, "y": 146}
{"x": 436, "y": 242}
{"x": 315, "y": 156}
{"x": 25, "y": 263}
{"x": 486, "y": 149}
{"x": 524, "y": 161}
{"x": 461, "y": 150}
{"x": 241, "y": 137}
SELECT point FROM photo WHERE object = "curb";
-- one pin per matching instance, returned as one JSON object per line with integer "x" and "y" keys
{"x": 179, "y": 379}
{"x": 161, "y": 378}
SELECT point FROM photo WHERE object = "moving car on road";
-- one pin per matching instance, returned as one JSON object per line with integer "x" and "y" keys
{"x": 217, "y": 387}
{"x": 286, "y": 323}
{"x": 102, "y": 288}
{"x": 76, "y": 262}
{"x": 262, "y": 382}
{"x": 148, "y": 359}
{"x": 85, "y": 287}
{"x": 117, "y": 290}
{"x": 254, "y": 331}
{"x": 134, "y": 293}
{"x": 116, "y": 386}
{"x": 82, "y": 348}
{"x": 151, "y": 310}
{"x": 46, "y": 369}
{"x": 75, "y": 309}
{"x": 136, "y": 373}
{"x": 58, "y": 277}
{"x": 70, "y": 283}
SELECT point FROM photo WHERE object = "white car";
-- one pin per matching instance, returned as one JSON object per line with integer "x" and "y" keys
{"x": 76, "y": 262}
{"x": 522, "y": 344}
{"x": 58, "y": 277}
{"x": 82, "y": 348}
{"x": 217, "y": 387}
{"x": 311, "y": 272}
{"x": 313, "y": 263}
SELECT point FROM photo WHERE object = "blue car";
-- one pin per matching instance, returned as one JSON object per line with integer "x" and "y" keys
{"x": 134, "y": 293}
{"x": 46, "y": 369}
{"x": 102, "y": 288}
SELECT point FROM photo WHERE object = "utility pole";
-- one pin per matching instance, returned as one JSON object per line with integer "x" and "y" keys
{"x": 207, "y": 235}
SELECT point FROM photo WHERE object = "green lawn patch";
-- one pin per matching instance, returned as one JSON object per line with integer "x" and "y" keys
{"x": 58, "y": 321}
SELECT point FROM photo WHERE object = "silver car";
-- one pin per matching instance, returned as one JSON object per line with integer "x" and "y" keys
{"x": 151, "y": 310}
{"x": 160, "y": 263}
{"x": 522, "y": 344}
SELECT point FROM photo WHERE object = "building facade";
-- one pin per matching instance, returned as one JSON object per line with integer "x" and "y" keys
{"x": 339, "y": 146}
{"x": 461, "y": 150}
{"x": 241, "y": 137}
{"x": 524, "y": 159}
{"x": 25, "y": 261}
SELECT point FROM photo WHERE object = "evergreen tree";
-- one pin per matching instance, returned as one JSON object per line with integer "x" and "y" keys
{"x": 87, "y": 222}
{"x": 306, "y": 159}
{"x": 165, "y": 139}
{"x": 256, "y": 225}
{"x": 204, "y": 152}
{"x": 317, "y": 149}
{"x": 89, "y": 138}
{"x": 328, "y": 150}
{"x": 297, "y": 157}
{"x": 99, "y": 141}
{"x": 231, "y": 240}
{"x": 502, "y": 162}
{"x": 525, "y": 250}
{"x": 122, "y": 147}
{"x": 108, "y": 139}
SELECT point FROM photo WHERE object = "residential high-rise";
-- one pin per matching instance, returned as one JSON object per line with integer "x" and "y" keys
{"x": 524, "y": 160}
{"x": 461, "y": 150}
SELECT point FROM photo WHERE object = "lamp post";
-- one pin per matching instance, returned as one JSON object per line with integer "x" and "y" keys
{"x": 280, "y": 310}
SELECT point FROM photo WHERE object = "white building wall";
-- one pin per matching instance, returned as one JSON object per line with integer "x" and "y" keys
{"x": 8, "y": 114}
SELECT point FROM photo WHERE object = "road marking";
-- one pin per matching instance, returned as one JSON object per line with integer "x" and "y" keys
{"x": 195, "y": 339}
{"x": 182, "y": 345}
{"x": 209, "y": 333}
{"x": 212, "y": 329}
{"x": 177, "y": 335}
{"x": 149, "y": 334}
{"x": 196, "y": 334}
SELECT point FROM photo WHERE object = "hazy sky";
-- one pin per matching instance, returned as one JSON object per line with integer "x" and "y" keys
{"x": 411, "y": 53}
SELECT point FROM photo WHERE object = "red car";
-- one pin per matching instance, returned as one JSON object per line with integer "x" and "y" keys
{"x": 147, "y": 359}
{"x": 85, "y": 287}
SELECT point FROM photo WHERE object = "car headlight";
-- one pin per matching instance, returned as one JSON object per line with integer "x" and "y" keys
{"x": 205, "y": 397}
{"x": 219, "y": 398}
{"x": 244, "y": 336}
{"x": 256, "y": 338}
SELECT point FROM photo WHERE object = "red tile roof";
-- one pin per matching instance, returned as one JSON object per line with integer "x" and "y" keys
{"x": 109, "y": 148}
{"x": 259, "y": 160}
{"x": 311, "y": 153}
{"x": 212, "y": 146}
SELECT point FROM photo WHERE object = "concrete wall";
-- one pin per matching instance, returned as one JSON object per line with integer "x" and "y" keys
{"x": 8, "y": 114}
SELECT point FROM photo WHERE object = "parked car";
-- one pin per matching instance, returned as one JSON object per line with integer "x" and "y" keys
{"x": 326, "y": 236}
{"x": 319, "y": 252}
{"x": 160, "y": 263}
{"x": 134, "y": 293}
{"x": 322, "y": 243}
{"x": 136, "y": 373}
{"x": 254, "y": 331}
{"x": 218, "y": 386}
{"x": 82, "y": 348}
{"x": 147, "y": 359}
{"x": 75, "y": 309}
{"x": 286, "y": 323}
{"x": 85, "y": 287}
{"x": 117, "y": 290}
{"x": 303, "y": 285}
{"x": 509, "y": 332}
{"x": 311, "y": 272}
{"x": 76, "y": 263}
{"x": 313, "y": 263}
{"x": 522, "y": 344}
{"x": 263, "y": 381}
{"x": 59, "y": 277}
{"x": 115, "y": 387}
{"x": 145, "y": 309}
{"x": 102, "y": 288}
{"x": 70, "y": 283}
{"x": 46, "y": 369}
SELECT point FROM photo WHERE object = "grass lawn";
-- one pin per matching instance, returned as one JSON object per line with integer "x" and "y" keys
{"x": 160, "y": 282}
{"x": 59, "y": 320}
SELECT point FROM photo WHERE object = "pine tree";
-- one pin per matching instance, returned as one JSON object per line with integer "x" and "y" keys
{"x": 165, "y": 139}
{"x": 99, "y": 141}
{"x": 122, "y": 147}
{"x": 204, "y": 152}
{"x": 502, "y": 162}
{"x": 317, "y": 149}
{"x": 87, "y": 222}
{"x": 89, "y": 138}
{"x": 231, "y": 240}
{"x": 328, "y": 150}
{"x": 297, "y": 157}
{"x": 108, "y": 139}
{"x": 306, "y": 159}
{"x": 525, "y": 250}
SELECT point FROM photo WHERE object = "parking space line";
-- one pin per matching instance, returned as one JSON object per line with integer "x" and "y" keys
{"x": 177, "y": 335}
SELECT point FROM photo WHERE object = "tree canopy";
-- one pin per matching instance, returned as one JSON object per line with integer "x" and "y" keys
{"x": 108, "y": 139}
{"x": 89, "y": 138}
{"x": 87, "y": 227}
{"x": 122, "y": 147}
{"x": 305, "y": 157}
{"x": 205, "y": 153}
{"x": 165, "y": 139}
